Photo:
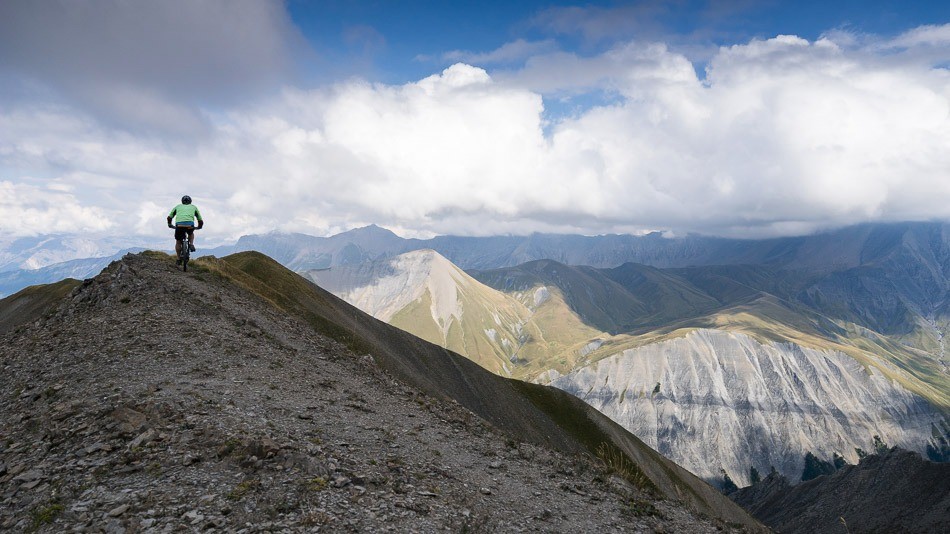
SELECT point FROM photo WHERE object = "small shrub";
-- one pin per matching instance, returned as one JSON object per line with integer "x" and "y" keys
{"x": 754, "y": 477}
{"x": 816, "y": 467}
{"x": 728, "y": 486}
{"x": 46, "y": 514}
{"x": 879, "y": 446}
{"x": 838, "y": 461}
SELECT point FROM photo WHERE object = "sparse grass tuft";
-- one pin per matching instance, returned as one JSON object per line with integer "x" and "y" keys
{"x": 317, "y": 484}
{"x": 243, "y": 488}
{"x": 45, "y": 515}
{"x": 618, "y": 464}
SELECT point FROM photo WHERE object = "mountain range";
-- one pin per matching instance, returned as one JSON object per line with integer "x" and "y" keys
{"x": 875, "y": 294}
{"x": 722, "y": 368}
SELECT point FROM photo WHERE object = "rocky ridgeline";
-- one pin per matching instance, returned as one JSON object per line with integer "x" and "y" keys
{"x": 152, "y": 400}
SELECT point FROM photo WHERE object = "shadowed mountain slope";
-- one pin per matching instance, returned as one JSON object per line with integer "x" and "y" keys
{"x": 237, "y": 394}
{"x": 601, "y": 302}
{"x": 896, "y": 491}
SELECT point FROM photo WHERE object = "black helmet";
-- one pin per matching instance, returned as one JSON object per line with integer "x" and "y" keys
{"x": 186, "y": 199}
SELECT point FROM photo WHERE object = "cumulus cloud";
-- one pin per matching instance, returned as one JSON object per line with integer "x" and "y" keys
{"x": 37, "y": 210}
{"x": 782, "y": 136}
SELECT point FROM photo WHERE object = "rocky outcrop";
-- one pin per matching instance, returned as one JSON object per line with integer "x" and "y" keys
{"x": 715, "y": 400}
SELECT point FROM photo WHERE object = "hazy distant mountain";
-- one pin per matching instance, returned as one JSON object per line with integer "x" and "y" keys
{"x": 874, "y": 293}
{"x": 821, "y": 253}
{"x": 30, "y": 253}
{"x": 300, "y": 252}
{"x": 15, "y": 280}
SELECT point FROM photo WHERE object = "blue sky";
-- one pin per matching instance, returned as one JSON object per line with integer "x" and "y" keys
{"x": 395, "y": 42}
{"x": 734, "y": 118}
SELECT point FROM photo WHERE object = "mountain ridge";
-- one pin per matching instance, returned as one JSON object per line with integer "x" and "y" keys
{"x": 210, "y": 412}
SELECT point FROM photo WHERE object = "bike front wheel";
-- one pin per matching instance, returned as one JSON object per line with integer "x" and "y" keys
{"x": 184, "y": 256}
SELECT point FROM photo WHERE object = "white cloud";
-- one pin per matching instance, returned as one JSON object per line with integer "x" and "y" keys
{"x": 930, "y": 35}
{"x": 515, "y": 51}
{"x": 783, "y": 136}
{"x": 35, "y": 210}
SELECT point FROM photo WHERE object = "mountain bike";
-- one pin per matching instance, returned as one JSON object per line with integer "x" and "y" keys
{"x": 185, "y": 253}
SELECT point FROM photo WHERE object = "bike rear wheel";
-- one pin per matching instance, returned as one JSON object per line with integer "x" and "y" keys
{"x": 185, "y": 255}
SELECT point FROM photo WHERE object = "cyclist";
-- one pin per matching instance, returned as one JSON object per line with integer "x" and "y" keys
{"x": 185, "y": 215}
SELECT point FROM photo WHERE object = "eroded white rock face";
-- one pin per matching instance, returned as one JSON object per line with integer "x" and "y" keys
{"x": 726, "y": 401}
{"x": 411, "y": 275}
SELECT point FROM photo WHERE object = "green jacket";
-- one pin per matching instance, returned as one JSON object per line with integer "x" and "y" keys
{"x": 185, "y": 213}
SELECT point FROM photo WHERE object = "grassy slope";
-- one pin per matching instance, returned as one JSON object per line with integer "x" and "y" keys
{"x": 29, "y": 304}
{"x": 528, "y": 339}
{"x": 534, "y": 413}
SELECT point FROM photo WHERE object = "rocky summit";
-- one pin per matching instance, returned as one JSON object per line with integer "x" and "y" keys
{"x": 151, "y": 400}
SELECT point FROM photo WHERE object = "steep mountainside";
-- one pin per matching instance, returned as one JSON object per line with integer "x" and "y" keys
{"x": 241, "y": 396}
{"x": 716, "y": 400}
{"x": 424, "y": 294}
{"x": 895, "y": 491}
{"x": 714, "y": 371}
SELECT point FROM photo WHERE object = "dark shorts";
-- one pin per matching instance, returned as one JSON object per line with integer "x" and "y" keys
{"x": 182, "y": 231}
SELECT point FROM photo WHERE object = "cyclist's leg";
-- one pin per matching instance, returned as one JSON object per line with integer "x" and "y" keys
{"x": 191, "y": 239}
{"x": 179, "y": 234}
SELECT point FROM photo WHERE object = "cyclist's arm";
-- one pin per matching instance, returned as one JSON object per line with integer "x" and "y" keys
{"x": 201, "y": 222}
{"x": 170, "y": 215}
